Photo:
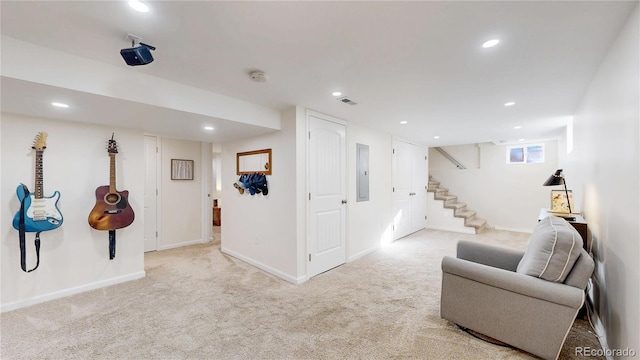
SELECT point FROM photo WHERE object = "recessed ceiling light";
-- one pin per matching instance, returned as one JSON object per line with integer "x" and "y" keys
{"x": 403, "y": 122}
{"x": 436, "y": 137}
{"x": 61, "y": 105}
{"x": 138, "y": 6}
{"x": 208, "y": 127}
{"x": 510, "y": 103}
{"x": 490, "y": 43}
{"x": 517, "y": 127}
{"x": 336, "y": 93}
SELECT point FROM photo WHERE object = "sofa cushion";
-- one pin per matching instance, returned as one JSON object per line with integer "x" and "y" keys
{"x": 552, "y": 250}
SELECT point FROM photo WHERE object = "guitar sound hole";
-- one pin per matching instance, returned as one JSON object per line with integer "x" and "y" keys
{"x": 112, "y": 199}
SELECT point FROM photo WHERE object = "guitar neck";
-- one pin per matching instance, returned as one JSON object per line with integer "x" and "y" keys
{"x": 39, "y": 192}
{"x": 112, "y": 173}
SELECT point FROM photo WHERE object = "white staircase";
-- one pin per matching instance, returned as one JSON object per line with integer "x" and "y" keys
{"x": 445, "y": 212}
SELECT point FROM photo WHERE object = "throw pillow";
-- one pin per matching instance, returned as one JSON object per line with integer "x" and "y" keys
{"x": 552, "y": 250}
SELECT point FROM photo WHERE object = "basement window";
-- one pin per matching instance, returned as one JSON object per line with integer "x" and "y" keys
{"x": 525, "y": 154}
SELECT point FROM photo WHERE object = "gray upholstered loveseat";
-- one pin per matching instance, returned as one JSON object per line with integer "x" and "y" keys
{"x": 526, "y": 299}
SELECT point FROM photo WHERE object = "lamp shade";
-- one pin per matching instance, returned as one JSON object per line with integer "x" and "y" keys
{"x": 555, "y": 179}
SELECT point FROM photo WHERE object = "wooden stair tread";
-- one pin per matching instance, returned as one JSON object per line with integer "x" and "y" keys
{"x": 446, "y": 197}
{"x": 476, "y": 223}
{"x": 456, "y": 205}
{"x": 464, "y": 214}
{"x": 459, "y": 208}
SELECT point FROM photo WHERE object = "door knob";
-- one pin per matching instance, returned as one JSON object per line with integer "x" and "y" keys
{"x": 344, "y": 201}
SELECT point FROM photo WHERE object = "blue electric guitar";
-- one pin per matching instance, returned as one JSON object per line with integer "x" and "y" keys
{"x": 39, "y": 213}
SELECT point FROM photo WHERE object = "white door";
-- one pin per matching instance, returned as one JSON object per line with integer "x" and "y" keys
{"x": 327, "y": 195}
{"x": 419, "y": 189}
{"x": 409, "y": 191}
{"x": 402, "y": 172}
{"x": 150, "y": 194}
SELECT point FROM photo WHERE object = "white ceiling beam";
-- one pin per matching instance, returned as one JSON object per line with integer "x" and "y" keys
{"x": 29, "y": 62}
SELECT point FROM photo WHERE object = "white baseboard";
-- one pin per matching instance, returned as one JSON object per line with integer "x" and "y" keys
{"x": 602, "y": 337}
{"x": 528, "y": 231}
{"x": 363, "y": 253}
{"x": 599, "y": 329}
{"x": 267, "y": 268}
{"x": 282, "y": 275}
{"x": 71, "y": 291}
{"x": 185, "y": 243}
{"x": 466, "y": 230}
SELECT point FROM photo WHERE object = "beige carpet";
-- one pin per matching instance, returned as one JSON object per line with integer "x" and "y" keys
{"x": 197, "y": 303}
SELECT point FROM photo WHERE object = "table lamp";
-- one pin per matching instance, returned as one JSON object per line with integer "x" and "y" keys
{"x": 558, "y": 179}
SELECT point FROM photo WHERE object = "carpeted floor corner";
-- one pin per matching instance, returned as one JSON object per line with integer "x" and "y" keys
{"x": 198, "y": 303}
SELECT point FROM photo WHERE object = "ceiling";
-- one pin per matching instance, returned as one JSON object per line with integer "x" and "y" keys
{"x": 419, "y": 62}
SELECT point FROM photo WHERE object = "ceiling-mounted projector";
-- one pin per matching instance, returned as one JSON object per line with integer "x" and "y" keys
{"x": 138, "y": 55}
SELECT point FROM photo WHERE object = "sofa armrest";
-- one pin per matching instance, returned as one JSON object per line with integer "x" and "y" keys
{"x": 494, "y": 256}
{"x": 530, "y": 286}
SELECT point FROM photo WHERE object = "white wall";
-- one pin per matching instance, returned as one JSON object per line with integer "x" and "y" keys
{"x": 270, "y": 231}
{"x": 467, "y": 155}
{"x": 603, "y": 170}
{"x": 258, "y": 229}
{"x": 182, "y": 209}
{"x": 369, "y": 222}
{"x": 74, "y": 257}
{"x": 508, "y": 196}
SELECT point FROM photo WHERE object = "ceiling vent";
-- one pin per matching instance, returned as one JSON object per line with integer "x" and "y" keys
{"x": 347, "y": 100}
{"x": 258, "y": 76}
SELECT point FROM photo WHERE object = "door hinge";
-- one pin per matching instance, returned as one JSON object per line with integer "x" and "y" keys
{"x": 393, "y": 151}
{"x": 156, "y": 234}
{"x": 393, "y": 189}
{"x": 425, "y": 157}
{"x": 309, "y": 134}
{"x": 156, "y": 149}
{"x": 156, "y": 192}
{"x": 309, "y": 257}
{"x": 309, "y": 196}
{"x": 425, "y": 217}
{"x": 393, "y": 228}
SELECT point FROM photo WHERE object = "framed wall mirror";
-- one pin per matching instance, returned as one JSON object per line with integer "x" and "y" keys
{"x": 254, "y": 161}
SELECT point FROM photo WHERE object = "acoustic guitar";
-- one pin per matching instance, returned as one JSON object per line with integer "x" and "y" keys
{"x": 112, "y": 209}
{"x": 39, "y": 212}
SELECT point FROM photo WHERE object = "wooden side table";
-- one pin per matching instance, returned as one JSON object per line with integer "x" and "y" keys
{"x": 579, "y": 223}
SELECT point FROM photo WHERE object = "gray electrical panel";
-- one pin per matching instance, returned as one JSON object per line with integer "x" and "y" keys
{"x": 362, "y": 172}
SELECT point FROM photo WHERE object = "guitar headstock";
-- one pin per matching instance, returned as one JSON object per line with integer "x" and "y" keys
{"x": 40, "y": 142}
{"x": 112, "y": 146}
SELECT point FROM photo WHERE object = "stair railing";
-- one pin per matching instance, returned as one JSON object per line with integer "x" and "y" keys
{"x": 450, "y": 158}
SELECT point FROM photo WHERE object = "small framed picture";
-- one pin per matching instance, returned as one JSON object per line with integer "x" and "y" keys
{"x": 181, "y": 169}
